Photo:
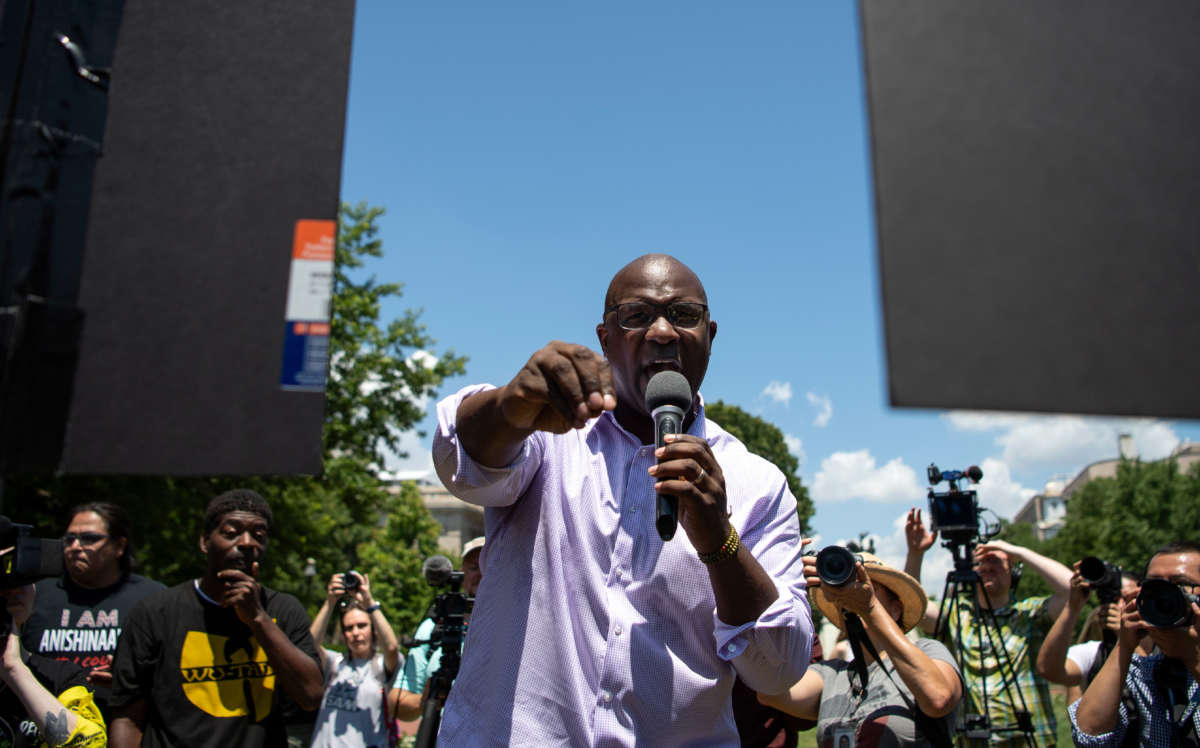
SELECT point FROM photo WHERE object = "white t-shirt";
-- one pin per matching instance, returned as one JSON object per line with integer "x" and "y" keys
{"x": 1084, "y": 655}
{"x": 351, "y": 713}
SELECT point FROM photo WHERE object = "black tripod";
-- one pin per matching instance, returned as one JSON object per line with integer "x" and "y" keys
{"x": 439, "y": 687}
{"x": 963, "y": 580}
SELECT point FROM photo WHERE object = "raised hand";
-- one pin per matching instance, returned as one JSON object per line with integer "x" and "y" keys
{"x": 558, "y": 389}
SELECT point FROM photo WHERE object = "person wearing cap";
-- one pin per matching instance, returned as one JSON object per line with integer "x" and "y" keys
{"x": 423, "y": 660}
{"x": 907, "y": 677}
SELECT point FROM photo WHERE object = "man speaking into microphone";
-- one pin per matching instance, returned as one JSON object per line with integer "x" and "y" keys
{"x": 589, "y": 627}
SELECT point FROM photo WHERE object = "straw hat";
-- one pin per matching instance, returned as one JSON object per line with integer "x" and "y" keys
{"x": 910, "y": 593}
{"x": 472, "y": 545}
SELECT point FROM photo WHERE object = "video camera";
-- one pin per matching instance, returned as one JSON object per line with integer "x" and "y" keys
{"x": 954, "y": 513}
{"x": 24, "y": 560}
{"x": 1104, "y": 578}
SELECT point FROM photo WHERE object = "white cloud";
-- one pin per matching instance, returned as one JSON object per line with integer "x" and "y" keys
{"x": 419, "y": 459}
{"x": 796, "y": 447}
{"x": 824, "y": 406}
{"x": 1031, "y": 442}
{"x": 892, "y": 549}
{"x": 780, "y": 392}
{"x": 999, "y": 492}
{"x": 850, "y": 475}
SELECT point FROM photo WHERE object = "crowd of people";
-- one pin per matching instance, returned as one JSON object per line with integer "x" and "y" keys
{"x": 591, "y": 628}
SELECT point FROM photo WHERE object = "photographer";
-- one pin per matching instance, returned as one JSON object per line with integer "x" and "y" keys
{"x": 909, "y": 695}
{"x": 78, "y": 616}
{"x": 1077, "y": 665}
{"x": 353, "y": 710}
{"x": 1022, "y": 625}
{"x": 407, "y": 694}
{"x": 42, "y": 701}
{"x": 1162, "y": 691}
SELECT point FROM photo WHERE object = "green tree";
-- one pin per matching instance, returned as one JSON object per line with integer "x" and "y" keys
{"x": 1125, "y": 519}
{"x": 345, "y": 518}
{"x": 765, "y": 440}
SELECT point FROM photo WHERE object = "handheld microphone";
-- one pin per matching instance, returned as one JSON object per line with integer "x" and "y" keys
{"x": 437, "y": 570}
{"x": 668, "y": 396}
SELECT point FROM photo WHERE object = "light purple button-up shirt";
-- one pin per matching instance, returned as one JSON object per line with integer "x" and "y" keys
{"x": 588, "y": 629}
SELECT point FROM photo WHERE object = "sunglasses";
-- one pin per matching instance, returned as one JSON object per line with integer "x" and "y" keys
{"x": 85, "y": 538}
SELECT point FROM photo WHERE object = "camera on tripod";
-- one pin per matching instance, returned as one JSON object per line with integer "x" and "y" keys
{"x": 449, "y": 613}
{"x": 954, "y": 513}
{"x": 1102, "y": 577}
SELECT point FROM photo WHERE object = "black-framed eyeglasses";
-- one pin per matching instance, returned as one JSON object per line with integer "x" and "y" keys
{"x": 639, "y": 315}
{"x": 85, "y": 538}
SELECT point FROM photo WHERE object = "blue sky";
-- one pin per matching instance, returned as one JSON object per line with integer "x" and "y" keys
{"x": 525, "y": 151}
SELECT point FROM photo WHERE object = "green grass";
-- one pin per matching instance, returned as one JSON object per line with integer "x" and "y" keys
{"x": 809, "y": 739}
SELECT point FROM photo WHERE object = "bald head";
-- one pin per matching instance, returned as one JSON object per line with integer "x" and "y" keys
{"x": 651, "y": 266}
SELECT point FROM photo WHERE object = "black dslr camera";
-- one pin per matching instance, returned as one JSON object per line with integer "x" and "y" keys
{"x": 837, "y": 565}
{"x": 25, "y": 560}
{"x": 1104, "y": 578}
{"x": 1165, "y": 605}
{"x": 351, "y": 582}
{"x": 954, "y": 513}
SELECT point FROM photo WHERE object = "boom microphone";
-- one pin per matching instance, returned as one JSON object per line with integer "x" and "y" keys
{"x": 437, "y": 570}
{"x": 668, "y": 396}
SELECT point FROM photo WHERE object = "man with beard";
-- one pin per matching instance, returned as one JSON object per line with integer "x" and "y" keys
{"x": 199, "y": 664}
{"x": 1159, "y": 706}
{"x": 590, "y": 629}
{"x": 1023, "y": 625}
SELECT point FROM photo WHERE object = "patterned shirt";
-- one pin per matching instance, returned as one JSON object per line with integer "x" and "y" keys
{"x": 588, "y": 629}
{"x": 1023, "y": 626}
{"x": 1152, "y": 704}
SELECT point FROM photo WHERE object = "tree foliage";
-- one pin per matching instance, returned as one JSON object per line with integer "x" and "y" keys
{"x": 765, "y": 440}
{"x": 1123, "y": 520}
{"x": 344, "y": 518}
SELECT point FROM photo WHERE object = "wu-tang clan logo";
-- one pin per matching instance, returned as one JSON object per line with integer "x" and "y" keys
{"x": 227, "y": 677}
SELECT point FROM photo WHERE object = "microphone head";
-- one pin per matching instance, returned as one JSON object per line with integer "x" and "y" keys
{"x": 668, "y": 388}
{"x": 437, "y": 570}
{"x": 974, "y": 473}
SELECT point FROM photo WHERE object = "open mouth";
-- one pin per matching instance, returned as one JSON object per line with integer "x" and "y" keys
{"x": 658, "y": 365}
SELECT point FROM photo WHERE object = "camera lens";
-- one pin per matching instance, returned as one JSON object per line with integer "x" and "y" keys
{"x": 835, "y": 565}
{"x": 1163, "y": 605}
{"x": 350, "y": 580}
{"x": 1094, "y": 571}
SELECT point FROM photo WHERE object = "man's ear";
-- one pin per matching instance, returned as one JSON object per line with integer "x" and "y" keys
{"x": 712, "y": 330}
{"x": 602, "y": 336}
{"x": 204, "y": 545}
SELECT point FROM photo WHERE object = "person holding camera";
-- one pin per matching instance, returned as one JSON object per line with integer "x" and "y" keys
{"x": 1150, "y": 700}
{"x": 353, "y": 711}
{"x": 408, "y": 691}
{"x": 895, "y": 691}
{"x": 1074, "y": 666}
{"x": 78, "y": 616}
{"x": 1022, "y": 625}
{"x": 42, "y": 701}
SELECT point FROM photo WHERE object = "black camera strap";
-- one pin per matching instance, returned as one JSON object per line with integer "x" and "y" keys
{"x": 933, "y": 729}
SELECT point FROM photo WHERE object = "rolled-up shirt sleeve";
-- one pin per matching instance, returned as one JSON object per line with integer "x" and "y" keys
{"x": 1115, "y": 737}
{"x": 467, "y": 479}
{"x": 772, "y": 652}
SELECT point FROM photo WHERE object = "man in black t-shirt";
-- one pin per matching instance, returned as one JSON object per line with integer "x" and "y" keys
{"x": 78, "y": 616}
{"x": 208, "y": 662}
